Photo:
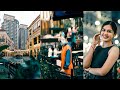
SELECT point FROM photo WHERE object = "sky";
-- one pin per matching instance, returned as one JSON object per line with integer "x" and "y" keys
{"x": 24, "y": 17}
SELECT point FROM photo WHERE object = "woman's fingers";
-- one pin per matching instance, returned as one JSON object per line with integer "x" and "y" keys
{"x": 96, "y": 39}
{"x": 97, "y": 36}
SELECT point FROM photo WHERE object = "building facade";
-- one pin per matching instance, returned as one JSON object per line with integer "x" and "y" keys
{"x": 33, "y": 40}
{"x": 37, "y": 29}
{"x": 23, "y": 35}
{"x": 11, "y": 25}
{"x": 5, "y": 40}
{"x": 41, "y": 26}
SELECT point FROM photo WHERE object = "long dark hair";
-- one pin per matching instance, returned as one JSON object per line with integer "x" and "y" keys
{"x": 112, "y": 24}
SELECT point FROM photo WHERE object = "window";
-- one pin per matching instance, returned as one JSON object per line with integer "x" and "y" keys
{"x": 38, "y": 24}
{"x": 30, "y": 44}
{"x": 35, "y": 40}
{"x": 39, "y": 39}
{"x": 30, "y": 31}
{"x": 35, "y": 26}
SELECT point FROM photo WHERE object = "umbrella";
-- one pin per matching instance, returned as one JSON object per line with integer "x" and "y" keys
{"x": 3, "y": 47}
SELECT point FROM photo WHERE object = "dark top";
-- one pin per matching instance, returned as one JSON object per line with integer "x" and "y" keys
{"x": 99, "y": 57}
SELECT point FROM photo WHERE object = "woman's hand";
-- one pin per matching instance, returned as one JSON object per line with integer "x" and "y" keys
{"x": 87, "y": 69}
{"x": 96, "y": 39}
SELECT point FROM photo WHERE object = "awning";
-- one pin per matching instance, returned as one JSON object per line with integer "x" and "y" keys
{"x": 48, "y": 40}
{"x": 59, "y": 29}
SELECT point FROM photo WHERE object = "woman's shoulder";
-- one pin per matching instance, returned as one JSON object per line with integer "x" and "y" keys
{"x": 115, "y": 49}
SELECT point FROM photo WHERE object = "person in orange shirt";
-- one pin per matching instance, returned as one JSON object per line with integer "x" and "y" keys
{"x": 66, "y": 56}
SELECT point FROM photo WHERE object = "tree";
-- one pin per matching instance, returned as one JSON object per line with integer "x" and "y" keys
{"x": 3, "y": 47}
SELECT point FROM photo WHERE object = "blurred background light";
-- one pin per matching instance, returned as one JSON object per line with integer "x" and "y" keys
{"x": 97, "y": 22}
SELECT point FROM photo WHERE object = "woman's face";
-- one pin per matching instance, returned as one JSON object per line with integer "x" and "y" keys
{"x": 107, "y": 33}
